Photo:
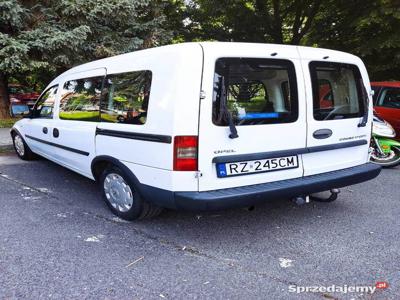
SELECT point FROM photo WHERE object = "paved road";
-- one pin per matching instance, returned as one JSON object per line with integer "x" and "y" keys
{"x": 58, "y": 240}
{"x": 5, "y": 138}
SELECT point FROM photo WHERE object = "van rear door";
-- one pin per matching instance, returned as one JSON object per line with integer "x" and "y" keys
{"x": 252, "y": 116}
{"x": 336, "y": 90}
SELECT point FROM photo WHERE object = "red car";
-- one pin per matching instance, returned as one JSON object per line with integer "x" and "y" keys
{"x": 20, "y": 98}
{"x": 387, "y": 102}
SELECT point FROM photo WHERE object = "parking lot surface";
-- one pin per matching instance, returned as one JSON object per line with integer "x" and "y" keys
{"x": 59, "y": 240}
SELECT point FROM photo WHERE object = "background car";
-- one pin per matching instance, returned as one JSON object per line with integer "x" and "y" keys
{"x": 387, "y": 102}
{"x": 20, "y": 98}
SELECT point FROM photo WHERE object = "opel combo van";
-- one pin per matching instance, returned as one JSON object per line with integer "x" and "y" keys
{"x": 207, "y": 126}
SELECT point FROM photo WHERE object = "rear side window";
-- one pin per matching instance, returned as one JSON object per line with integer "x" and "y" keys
{"x": 254, "y": 91}
{"x": 44, "y": 106}
{"x": 126, "y": 98}
{"x": 80, "y": 99}
{"x": 389, "y": 97}
{"x": 337, "y": 91}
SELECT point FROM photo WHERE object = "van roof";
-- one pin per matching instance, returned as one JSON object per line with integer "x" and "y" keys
{"x": 187, "y": 47}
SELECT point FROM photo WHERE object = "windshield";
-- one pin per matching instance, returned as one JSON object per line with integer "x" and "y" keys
{"x": 257, "y": 91}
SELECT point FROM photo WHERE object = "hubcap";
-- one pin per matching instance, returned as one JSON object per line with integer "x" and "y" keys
{"x": 118, "y": 192}
{"x": 19, "y": 145}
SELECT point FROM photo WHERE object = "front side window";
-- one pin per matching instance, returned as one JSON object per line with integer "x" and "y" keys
{"x": 252, "y": 91}
{"x": 80, "y": 99}
{"x": 126, "y": 98}
{"x": 45, "y": 104}
{"x": 337, "y": 91}
{"x": 390, "y": 97}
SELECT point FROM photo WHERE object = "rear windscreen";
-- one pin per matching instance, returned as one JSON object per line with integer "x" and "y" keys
{"x": 337, "y": 91}
{"x": 254, "y": 91}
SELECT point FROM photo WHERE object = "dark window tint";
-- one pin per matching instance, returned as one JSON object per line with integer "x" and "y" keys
{"x": 390, "y": 97}
{"x": 80, "y": 99}
{"x": 336, "y": 90}
{"x": 126, "y": 98}
{"x": 254, "y": 91}
{"x": 45, "y": 104}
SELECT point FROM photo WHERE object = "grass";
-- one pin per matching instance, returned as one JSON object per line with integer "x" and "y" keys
{"x": 8, "y": 123}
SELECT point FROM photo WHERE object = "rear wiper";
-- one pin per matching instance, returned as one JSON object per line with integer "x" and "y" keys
{"x": 364, "y": 119}
{"x": 223, "y": 98}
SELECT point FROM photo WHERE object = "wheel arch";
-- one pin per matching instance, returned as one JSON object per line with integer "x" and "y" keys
{"x": 151, "y": 194}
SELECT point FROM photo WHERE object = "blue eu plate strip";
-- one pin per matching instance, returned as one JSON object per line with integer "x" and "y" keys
{"x": 250, "y": 116}
{"x": 221, "y": 169}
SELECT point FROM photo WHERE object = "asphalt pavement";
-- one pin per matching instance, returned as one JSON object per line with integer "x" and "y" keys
{"x": 58, "y": 240}
{"x": 5, "y": 139}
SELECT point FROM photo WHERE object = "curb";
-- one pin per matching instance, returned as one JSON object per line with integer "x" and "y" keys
{"x": 6, "y": 148}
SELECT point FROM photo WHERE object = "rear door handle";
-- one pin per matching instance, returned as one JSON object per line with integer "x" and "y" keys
{"x": 322, "y": 134}
{"x": 45, "y": 130}
{"x": 56, "y": 133}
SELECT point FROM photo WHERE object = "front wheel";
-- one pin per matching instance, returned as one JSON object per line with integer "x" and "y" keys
{"x": 389, "y": 160}
{"x": 21, "y": 148}
{"x": 122, "y": 196}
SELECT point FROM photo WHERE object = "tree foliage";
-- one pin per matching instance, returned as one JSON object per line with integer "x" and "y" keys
{"x": 53, "y": 35}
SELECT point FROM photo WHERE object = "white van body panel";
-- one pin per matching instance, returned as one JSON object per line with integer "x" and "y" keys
{"x": 214, "y": 140}
{"x": 343, "y": 130}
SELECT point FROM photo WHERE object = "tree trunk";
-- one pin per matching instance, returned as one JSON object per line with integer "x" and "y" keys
{"x": 4, "y": 98}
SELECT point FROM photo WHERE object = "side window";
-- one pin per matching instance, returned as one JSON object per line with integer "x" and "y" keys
{"x": 337, "y": 91}
{"x": 390, "y": 97}
{"x": 253, "y": 91}
{"x": 126, "y": 98}
{"x": 80, "y": 99}
{"x": 45, "y": 104}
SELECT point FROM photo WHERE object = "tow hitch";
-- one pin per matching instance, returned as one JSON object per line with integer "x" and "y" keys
{"x": 300, "y": 200}
{"x": 332, "y": 197}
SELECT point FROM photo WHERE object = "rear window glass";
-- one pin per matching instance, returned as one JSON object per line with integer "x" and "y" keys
{"x": 337, "y": 91}
{"x": 254, "y": 91}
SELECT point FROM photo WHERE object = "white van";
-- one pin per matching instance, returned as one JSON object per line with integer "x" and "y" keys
{"x": 207, "y": 126}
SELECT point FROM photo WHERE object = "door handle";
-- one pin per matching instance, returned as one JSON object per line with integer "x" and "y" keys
{"x": 56, "y": 133}
{"x": 322, "y": 134}
{"x": 45, "y": 130}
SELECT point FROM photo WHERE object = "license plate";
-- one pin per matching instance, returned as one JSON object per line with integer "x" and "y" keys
{"x": 257, "y": 166}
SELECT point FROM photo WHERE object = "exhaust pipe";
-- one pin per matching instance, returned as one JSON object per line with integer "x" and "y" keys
{"x": 300, "y": 200}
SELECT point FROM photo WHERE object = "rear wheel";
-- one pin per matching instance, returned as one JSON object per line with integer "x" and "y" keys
{"x": 389, "y": 160}
{"x": 21, "y": 148}
{"x": 122, "y": 196}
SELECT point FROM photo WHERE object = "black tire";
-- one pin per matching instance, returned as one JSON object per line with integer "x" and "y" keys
{"x": 139, "y": 208}
{"x": 24, "y": 153}
{"x": 395, "y": 161}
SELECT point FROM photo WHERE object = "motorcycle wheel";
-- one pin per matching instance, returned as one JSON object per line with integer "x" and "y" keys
{"x": 388, "y": 161}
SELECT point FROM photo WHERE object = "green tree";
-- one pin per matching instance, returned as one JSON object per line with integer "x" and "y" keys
{"x": 47, "y": 37}
{"x": 251, "y": 20}
{"x": 366, "y": 28}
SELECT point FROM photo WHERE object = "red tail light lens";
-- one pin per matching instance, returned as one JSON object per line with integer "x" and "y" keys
{"x": 185, "y": 153}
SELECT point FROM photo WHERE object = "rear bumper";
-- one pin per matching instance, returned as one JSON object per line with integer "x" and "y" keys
{"x": 255, "y": 194}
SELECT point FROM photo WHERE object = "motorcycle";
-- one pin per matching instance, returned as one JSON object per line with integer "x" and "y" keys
{"x": 384, "y": 151}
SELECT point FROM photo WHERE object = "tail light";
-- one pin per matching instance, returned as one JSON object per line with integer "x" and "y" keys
{"x": 185, "y": 153}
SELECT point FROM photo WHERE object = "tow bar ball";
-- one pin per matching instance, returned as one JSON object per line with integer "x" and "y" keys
{"x": 300, "y": 200}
